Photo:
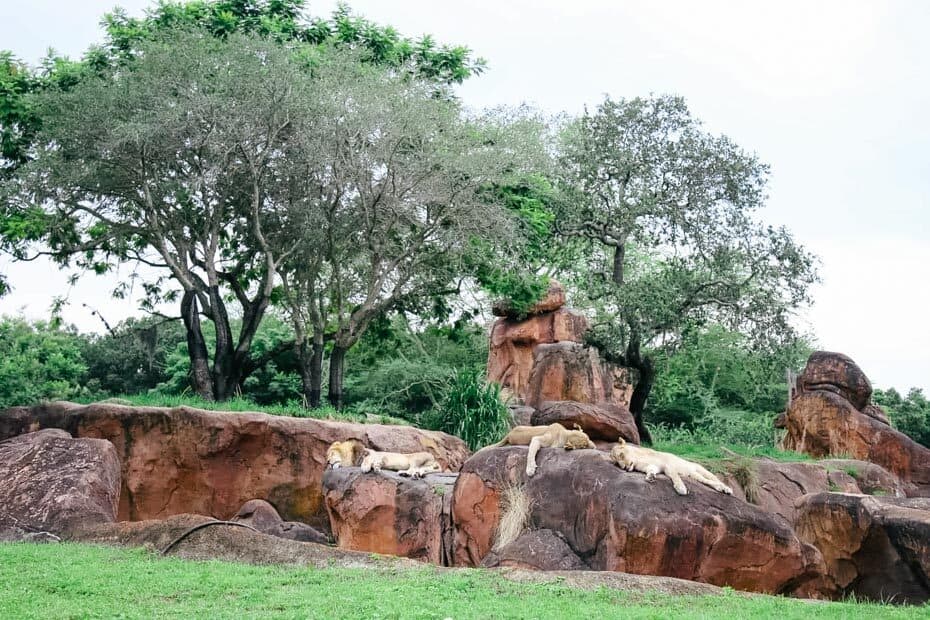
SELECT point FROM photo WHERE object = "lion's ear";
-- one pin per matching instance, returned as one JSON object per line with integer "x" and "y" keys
{"x": 621, "y": 441}
{"x": 577, "y": 426}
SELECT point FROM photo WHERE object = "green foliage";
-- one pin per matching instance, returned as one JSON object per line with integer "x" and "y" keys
{"x": 131, "y": 359}
{"x": 716, "y": 368}
{"x": 404, "y": 372}
{"x": 472, "y": 410}
{"x": 707, "y": 444}
{"x": 909, "y": 414}
{"x": 68, "y": 579}
{"x": 38, "y": 361}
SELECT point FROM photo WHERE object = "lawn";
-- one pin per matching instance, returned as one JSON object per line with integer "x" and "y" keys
{"x": 81, "y": 581}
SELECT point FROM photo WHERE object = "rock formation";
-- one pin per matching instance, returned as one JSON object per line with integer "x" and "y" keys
{"x": 185, "y": 460}
{"x": 603, "y": 421}
{"x": 877, "y": 548}
{"x": 54, "y": 483}
{"x": 263, "y": 517}
{"x": 542, "y": 358}
{"x": 536, "y": 550}
{"x": 384, "y": 512}
{"x": 831, "y": 414}
{"x": 616, "y": 521}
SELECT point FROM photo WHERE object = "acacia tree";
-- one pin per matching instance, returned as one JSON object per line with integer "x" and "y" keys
{"x": 213, "y": 251}
{"x": 170, "y": 164}
{"x": 396, "y": 196}
{"x": 665, "y": 210}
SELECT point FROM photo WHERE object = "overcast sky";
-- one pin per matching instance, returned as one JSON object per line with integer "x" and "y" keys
{"x": 834, "y": 95}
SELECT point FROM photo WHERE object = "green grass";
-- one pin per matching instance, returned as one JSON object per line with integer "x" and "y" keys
{"x": 241, "y": 404}
{"x": 80, "y": 581}
{"x": 715, "y": 451}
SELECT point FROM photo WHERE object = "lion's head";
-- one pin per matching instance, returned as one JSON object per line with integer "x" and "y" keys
{"x": 619, "y": 454}
{"x": 577, "y": 440}
{"x": 343, "y": 453}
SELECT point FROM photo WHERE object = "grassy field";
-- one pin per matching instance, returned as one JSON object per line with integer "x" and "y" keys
{"x": 75, "y": 581}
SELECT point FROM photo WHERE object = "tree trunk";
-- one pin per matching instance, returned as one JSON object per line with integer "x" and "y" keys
{"x": 336, "y": 372}
{"x": 227, "y": 370}
{"x": 196, "y": 347}
{"x": 311, "y": 371}
{"x": 619, "y": 255}
{"x": 647, "y": 375}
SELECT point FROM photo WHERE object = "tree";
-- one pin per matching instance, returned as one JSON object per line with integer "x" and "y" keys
{"x": 665, "y": 210}
{"x": 394, "y": 198}
{"x": 94, "y": 196}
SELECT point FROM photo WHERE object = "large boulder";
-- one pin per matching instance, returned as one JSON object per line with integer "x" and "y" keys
{"x": 384, "y": 512}
{"x": 602, "y": 421}
{"x": 536, "y": 550}
{"x": 185, "y": 460}
{"x": 54, "y": 483}
{"x": 572, "y": 371}
{"x": 513, "y": 345}
{"x": 823, "y": 423}
{"x": 262, "y": 516}
{"x": 776, "y": 487}
{"x": 616, "y": 521}
{"x": 834, "y": 372}
{"x": 876, "y": 548}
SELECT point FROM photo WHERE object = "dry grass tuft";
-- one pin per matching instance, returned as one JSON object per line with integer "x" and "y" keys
{"x": 517, "y": 506}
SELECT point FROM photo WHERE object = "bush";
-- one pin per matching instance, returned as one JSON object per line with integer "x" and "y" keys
{"x": 472, "y": 409}
{"x": 910, "y": 414}
{"x": 39, "y": 361}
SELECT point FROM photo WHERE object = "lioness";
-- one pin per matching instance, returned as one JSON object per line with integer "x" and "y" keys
{"x": 652, "y": 462}
{"x": 551, "y": 436}
{"x": 416, "y": 464}
{"x": 348, "y": 453}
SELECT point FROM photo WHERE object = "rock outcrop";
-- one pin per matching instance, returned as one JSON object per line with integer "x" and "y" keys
{"x": 877, "y": 548}
{"x": 830, "y": 414}
{"x": 603, "y": 421}
{"x": 384, "y": 512}
{"x": 573, "y": 371}
{"x": 536, "y": 550}
{"x": 776, "y": 487}
{"x": 54, "y": 483}
{"x": 541, "y": 356}
{"x": 616, "y": 521}
{"x": 263, "y": 517}
{"x": 185, "y": 460}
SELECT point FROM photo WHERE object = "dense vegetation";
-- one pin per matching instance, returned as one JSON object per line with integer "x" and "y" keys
{"x": 43, "y": 581}
{"x": 326, "y": 218}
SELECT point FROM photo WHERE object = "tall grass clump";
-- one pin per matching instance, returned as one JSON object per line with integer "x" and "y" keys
{"x": 471, "y": 409}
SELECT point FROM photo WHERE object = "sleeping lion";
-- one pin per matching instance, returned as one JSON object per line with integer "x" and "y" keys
{"x": 652, "y": 462}
{"x": 551, "y": 436}
{"x": 348, "y": 453}
{"x": 416, "y": 464}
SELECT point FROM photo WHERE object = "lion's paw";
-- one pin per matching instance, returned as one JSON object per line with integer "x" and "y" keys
{"x": 727, "y": 490}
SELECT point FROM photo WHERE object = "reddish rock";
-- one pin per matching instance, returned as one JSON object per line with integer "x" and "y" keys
{"x": 877, "y": 413}
{"x": 837, "y": 373}
{"x": 823, "y": 423}
{"x": 513, "y": 344}
{"x": 776, "y": 486}
{"x": 53, "y": 483}
{"x": 536, "y": 550}
{"x": 553, "y": 299}
{"x": 619, "y": 522}
{"x": 876, "y": 548}
{"x": 521, "y": 415}
{"x": 572, "y": 371}
{"x": 603, "y": 421}
{"x": 391, "y": 514}
{"x": 185, "y": 460}
{"x": 263, "y": 517}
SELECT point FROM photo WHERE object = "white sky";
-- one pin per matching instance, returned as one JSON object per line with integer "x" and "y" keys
{"x": 833, "y": 94}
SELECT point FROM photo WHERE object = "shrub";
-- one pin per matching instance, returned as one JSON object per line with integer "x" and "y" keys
{"x": 471, "y": 409}
{"x": 38, "y": 361}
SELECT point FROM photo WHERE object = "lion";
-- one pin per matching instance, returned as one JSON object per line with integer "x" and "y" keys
{"x": 551, "y": 436}
{"x": 416, "y": 464}
{"x": 348, "y": 453}
{"x": 652, "y": 462}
